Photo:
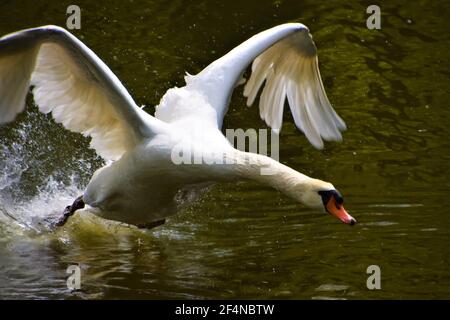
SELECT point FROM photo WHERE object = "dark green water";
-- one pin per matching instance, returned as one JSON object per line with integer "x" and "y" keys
{"x": 245, "y": 240}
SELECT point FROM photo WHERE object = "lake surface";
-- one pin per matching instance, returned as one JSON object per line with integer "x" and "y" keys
{"x": 244, "y": 240}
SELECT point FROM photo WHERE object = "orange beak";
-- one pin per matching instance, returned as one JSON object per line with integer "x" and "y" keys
{"x": 339, "y": 212}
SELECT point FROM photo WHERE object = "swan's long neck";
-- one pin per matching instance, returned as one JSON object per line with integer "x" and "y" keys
{"x": 267, "y": 171}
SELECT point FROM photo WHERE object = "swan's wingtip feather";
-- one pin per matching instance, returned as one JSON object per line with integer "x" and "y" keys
{"x": 289, "y": 69}
{"x": 276, "y": 131}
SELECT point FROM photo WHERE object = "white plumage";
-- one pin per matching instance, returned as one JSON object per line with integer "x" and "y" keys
{"x": 142, "y": 182}
{"x": 72, "y": 83}
{"x": 290, "y": 70}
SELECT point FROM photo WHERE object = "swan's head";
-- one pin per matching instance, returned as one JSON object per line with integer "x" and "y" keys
{"x": 322, "y": 195}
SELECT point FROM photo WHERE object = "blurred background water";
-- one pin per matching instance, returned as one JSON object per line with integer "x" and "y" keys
{"x": 245, "y": 240}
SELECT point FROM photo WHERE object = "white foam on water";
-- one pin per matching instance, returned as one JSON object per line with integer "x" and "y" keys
{"x": 41, "y": 210}
{"x": 29, "y": 199}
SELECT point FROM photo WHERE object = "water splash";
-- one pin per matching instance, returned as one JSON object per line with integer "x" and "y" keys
{"x": 42, "y": 210}
{"x": 38, "y": 177}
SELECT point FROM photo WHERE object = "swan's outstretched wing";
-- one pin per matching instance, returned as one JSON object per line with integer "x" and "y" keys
{"x": 72, "y": 83}
{"x": 285, "y": 61}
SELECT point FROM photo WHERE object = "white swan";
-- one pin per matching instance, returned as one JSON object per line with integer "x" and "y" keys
{"x": 140, "y": 182}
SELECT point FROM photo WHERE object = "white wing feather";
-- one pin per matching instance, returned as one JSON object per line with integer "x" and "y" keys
{"x": 72, "y": 83}
{"x": 290, "y": 70}
{"x": 285, "y": 63}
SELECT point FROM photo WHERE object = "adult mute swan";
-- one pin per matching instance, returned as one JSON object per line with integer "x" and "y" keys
{"x": 141, "y": 180}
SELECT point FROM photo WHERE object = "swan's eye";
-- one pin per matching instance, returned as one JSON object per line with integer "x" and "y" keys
{"x": 328, "y": 194}
{"x": 339, "y": 199}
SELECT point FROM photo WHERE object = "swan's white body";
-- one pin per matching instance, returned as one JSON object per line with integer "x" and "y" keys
{"x": 141, "y": 182}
